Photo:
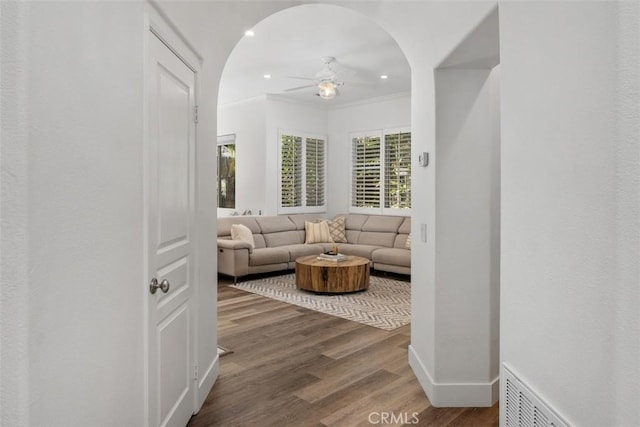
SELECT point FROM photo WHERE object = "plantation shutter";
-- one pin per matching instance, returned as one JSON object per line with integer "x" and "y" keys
{"x": 315, "y": 171}
{"x": 365, "y": 186}
{"x": 291, "y": 171}
{"x": 397, "y": 170}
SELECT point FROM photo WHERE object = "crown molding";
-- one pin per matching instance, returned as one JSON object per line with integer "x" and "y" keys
{"x": 372, "y": 100}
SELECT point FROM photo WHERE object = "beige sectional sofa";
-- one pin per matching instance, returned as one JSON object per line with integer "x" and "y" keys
{"x": 280, "y": 240}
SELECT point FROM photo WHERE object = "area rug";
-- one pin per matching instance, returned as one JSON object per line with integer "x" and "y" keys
{"x": 385, "y": 305}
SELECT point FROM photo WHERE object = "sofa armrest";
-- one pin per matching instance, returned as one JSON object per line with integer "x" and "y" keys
{"x": 234, "y": 244}
{"x": 233, "y": 257}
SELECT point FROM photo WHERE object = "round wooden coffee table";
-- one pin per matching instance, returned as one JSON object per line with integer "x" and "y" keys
{"x": 316, "y": 275}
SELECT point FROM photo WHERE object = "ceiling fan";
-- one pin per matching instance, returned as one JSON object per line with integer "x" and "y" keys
{"x": 326, "y": 80}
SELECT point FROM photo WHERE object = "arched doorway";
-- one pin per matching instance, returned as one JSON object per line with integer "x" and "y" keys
{"x": 428, "y": 320}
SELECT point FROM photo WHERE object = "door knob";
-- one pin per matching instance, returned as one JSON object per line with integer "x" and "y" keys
{"x": 163, "y": 286}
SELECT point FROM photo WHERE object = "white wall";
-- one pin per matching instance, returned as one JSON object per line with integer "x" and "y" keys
{"x": 289, "y": 116}
{"x": 374, "y": 114}
{"x": 467, "y": 237}
{"x": 71, "y": 198}
{"x": 570, "y": 206}
{"x": 247, "y": 120}
{"x": 257, "y": 123}
{"x": 73, "y": 211}
{"x": 74, "y": 218}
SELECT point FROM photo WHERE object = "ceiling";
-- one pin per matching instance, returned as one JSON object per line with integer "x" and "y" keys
{"x": 292, "y": 43}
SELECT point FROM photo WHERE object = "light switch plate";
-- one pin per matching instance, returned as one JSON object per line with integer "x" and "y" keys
{"x": 423, "y": 159}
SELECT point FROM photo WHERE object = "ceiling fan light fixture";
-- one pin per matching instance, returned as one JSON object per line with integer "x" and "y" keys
{"x": 327, "y": 90}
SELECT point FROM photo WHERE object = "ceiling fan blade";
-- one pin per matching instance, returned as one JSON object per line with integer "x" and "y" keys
{"x": 357, "y": 83}
{"x": 301, "y": 78}
{"x": 298, "y": 88}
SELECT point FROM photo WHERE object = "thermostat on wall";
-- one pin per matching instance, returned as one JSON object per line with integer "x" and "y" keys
{"x": 423, "y": 159}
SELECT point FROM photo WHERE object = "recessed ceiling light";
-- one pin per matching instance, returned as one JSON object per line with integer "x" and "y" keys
{"x": 384, "y": 77}
{"x": 267, "y": 76}
{"x": 249, "y": 33}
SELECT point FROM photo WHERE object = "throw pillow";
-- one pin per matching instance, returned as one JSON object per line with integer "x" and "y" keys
{"x": 336, "y": 228}
{"x": 317, "y": 232}
{"x": 407, "y": 244}
{"x": 242, "y": 233}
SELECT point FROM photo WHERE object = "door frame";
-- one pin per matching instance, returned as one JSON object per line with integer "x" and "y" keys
{"x": 157, "y": 25}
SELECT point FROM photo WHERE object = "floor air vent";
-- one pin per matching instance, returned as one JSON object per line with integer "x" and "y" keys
{"x": 523, "y": 408}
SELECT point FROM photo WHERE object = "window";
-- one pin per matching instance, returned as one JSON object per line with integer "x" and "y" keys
{"x": 397, "y": 170}
{"x": 227, "y": 171}
{"x": 381, "y": 172}
{"x": 291, "y": 171}
{"x": 315, "y": 161}
{"x": 302, "y": 173}
{"x": 366, "y": 172}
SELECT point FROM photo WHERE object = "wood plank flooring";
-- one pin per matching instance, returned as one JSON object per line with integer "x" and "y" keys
{"x": 292, "y": 366}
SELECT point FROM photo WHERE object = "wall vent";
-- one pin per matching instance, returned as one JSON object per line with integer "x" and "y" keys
{"x": 522, "y": 407}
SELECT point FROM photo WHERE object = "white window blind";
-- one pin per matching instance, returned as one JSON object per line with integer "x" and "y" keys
{"x": 302, "y": 173}
{"x": 291, "y": 171}
{"x": 365, "y": 184}
{"x": 381, "y": 172}
{"x": 397, "y": 170}
{"x": 315, "y": 171}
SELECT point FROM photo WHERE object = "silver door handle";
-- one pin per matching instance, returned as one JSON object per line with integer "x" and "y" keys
{"x": 163, "y": 286}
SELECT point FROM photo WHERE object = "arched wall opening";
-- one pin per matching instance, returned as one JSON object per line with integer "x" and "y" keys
{"x": 288, "y": 46}
{"x": 444, "y": 345}
{"x": 467, "y": 203}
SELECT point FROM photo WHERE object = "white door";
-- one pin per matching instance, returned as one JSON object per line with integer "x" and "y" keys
{"x": 170, "y": 215}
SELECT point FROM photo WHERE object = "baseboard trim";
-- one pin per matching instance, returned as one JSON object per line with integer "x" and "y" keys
{"x": 450, "y": 395}
{"x": 207, "y": 381}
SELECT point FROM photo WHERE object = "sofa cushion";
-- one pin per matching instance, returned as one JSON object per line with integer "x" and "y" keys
{"x": 352, "y": 236}
{"x": 282, "y": 238}
{"x": 381, "y": 223}
{"x": 317, "y": 232}
{"x": 377, "y": 239}
{"x": 241, "y": 232}
{"x": 266, "y": 256}
{"x": 407, "y": 241}
{"x": 297, "y": 251}
{"x": 405, "y": 228}
{"x": 392, "y": 256}
{"x": 274, "y": 224}
{"x": 299, "y": 219}
{"x": 337, "y": 230}
{"x": 358, "y": 250}
{"x": 225, "y": 223}
{"x": 355, "y": 221}
{"x": 401, "y": 241}
{"x": 259, "y": 239}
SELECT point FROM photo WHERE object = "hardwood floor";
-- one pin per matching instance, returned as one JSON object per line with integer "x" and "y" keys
{"x": 292, "y": 366}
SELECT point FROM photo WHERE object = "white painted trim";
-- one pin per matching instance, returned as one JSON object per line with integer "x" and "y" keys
{"x": 326, "y": 107}
{"x": 373, "y": 100}
{"x": 421, "y": 373}
{"x": 281, "y": 98}
{"x": 205, "y": 384}
{"x": 165, "y": 30}
{"x": 16, "y": 288}
{"x": 157, "y": 24}
{"x": 145, "y": 213}
{"x": 243, "y": 101}
{"x": 449, "y": 395}
{"x": 302, "y": 209}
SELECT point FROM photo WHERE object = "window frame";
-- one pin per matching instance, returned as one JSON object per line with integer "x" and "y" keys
{"x": 303, "y": 155}
{"x": 381, "y": 209}
{"x": 227, "y": 139}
